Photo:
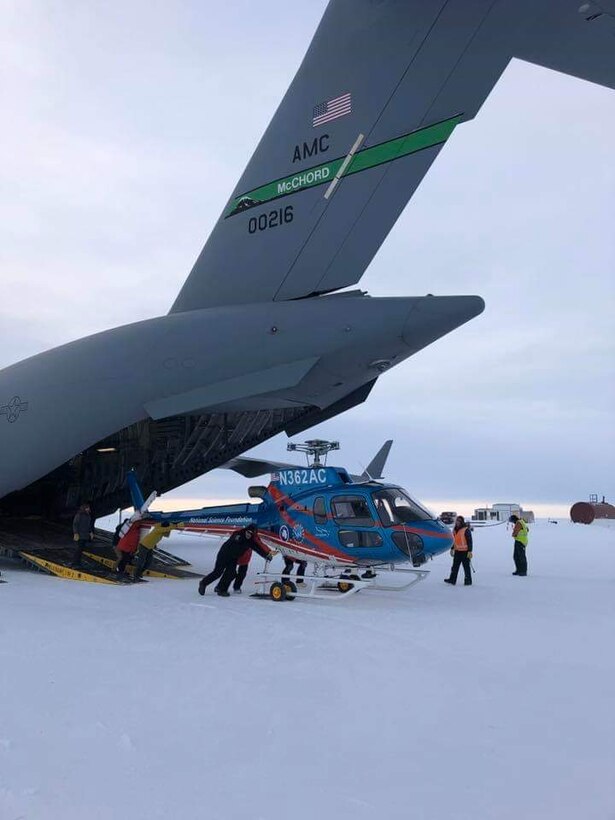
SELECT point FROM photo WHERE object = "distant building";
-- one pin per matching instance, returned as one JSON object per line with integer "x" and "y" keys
{"x": 448, "y": 517}
{"x": 502, "y": 512}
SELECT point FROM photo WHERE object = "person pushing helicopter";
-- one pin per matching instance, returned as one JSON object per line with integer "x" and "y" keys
{"x": 228, "y": 555}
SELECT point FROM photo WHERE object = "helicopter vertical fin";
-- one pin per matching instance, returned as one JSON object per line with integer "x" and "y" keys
{"x": 375, "y": 467}
{"x": 135, "y": 490}
{"x": 140, "y": 504}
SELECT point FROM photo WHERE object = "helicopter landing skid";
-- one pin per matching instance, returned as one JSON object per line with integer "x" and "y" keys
{"x": 359, "y": 571}
{"x": 277, "y": 587}
{"x": 314, "y": 586}
{"x": 417, "y": 576}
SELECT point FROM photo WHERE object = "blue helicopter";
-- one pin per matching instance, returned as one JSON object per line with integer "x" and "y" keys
{"x": 351, "y": 528}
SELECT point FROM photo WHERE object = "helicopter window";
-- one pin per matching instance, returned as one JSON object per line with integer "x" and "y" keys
{"x": 352, "y": 509}
{"x": 320, "y": 511}
{"x": 360, "y": 538}
{"x": 412, "y": 545}
{"x": 396, "y": 507}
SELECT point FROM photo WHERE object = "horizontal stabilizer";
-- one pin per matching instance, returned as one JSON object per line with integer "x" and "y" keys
{"x": 574, "y": 38}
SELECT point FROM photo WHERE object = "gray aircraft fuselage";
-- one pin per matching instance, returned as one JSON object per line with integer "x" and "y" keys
{"x": 257, "y": 341}
{"x": 208, "y": 360}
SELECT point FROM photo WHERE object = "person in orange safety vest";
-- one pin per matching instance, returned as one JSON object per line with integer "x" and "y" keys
{"x": 461, "y": 552}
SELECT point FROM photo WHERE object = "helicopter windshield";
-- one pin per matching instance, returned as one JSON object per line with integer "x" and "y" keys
{"x": 394, "y": 506}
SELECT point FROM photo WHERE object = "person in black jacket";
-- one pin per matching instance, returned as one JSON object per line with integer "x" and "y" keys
{"x": 83, "y": 532}
{"x": 228, "y": 554}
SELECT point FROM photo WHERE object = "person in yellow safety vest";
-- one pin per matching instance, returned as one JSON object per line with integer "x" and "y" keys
{"x": 148, "y": 543}
{"x": 520, "y": 536}
{"x": 461, "y": 552}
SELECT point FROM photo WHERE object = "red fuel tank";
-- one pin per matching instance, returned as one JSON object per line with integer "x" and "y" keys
{"x": 584, "y": 512}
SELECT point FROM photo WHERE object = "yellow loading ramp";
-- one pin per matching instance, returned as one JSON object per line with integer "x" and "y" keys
{"x": 48, "y": 547}
{"x": 158, "y": 570}
{"x": 62, "y": 570}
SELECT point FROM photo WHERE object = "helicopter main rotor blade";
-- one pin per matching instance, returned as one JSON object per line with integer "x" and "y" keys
{"x": 253, "y": 467}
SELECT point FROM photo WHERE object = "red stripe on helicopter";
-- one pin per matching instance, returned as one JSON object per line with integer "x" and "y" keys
{"x": 292, "y": 549}
{"x": 280, "y": 498}
{"x": 298, "y": 548}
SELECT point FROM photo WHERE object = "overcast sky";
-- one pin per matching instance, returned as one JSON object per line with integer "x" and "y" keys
{"x": 125, "y": 126}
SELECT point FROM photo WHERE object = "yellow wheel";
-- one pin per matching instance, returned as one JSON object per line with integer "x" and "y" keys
{"x": 345, "y": 585}
{"x": 277, "y": 591}
{"x": 291, "y": 590}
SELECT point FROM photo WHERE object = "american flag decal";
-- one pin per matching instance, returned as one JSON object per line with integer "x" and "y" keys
{"x": 332, "y": 109}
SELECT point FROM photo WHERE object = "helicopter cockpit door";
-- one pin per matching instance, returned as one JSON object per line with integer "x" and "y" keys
{"x": 356, "y": 525}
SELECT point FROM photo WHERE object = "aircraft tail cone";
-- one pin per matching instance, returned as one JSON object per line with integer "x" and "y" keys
{"x": 435, "y": 316}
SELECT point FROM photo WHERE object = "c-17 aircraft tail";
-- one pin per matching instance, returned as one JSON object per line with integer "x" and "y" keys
{"x": 382, "y": 88}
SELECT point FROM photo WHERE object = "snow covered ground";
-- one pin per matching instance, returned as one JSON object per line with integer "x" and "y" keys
{"x": 494, "y": 702}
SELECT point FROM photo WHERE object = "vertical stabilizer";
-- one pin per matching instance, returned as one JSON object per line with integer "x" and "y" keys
{"x": 375, "y": 468}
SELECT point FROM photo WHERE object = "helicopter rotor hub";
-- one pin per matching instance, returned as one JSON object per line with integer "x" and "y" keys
{"x": 315, "y": 450}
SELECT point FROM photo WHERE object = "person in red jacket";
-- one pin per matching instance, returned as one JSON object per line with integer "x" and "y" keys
{"x": 461, "y": 552}
{"x": 127, "y": 547}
